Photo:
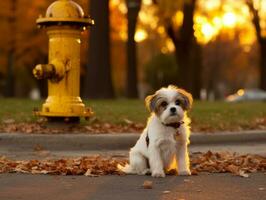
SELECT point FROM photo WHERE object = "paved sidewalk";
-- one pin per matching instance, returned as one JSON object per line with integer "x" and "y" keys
{"x": 116, "y": 141}
{"x": 25, "y": 146}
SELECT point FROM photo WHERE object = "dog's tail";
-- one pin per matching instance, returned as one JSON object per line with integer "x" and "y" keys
{"x": 126, "y": 169}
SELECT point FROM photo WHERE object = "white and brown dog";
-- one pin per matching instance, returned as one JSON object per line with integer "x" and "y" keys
{"x": 166, "y": 136}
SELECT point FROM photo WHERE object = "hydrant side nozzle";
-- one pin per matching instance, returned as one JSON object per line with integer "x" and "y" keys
{"x": 44, "y": 71}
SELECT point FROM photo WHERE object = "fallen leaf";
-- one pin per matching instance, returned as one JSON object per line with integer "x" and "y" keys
{"x": 88, "y": 173}
{"x": 243, "y": 174}
{"x": 147, "y": 184}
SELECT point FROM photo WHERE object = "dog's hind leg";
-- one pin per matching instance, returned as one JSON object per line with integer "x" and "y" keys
{"x": 137, "y": 164}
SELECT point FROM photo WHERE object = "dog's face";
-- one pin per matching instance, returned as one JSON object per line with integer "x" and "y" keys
{"x": 169, "y": 104}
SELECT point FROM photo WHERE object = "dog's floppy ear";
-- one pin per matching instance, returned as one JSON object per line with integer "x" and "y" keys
{"x": 150, "y": 102}
{"x": 188, "y": 99}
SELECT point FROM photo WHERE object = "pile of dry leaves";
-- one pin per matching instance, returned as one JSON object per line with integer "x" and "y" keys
{"x": 89, "y": 166}
{"x": 227, "y": 162}
{"x": 210, "y": 162}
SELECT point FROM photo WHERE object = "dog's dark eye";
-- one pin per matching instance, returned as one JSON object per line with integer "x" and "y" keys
{"x": 177, "y": 102}
{"x": 164, "y": 104}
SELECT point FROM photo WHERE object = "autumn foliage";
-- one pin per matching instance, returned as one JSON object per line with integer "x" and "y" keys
{"x": 240, "y": 165}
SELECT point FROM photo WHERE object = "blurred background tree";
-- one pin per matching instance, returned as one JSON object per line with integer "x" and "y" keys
{"x": 12, "y": 21}
{"x": 20, "y": 45}
{"x": 187, "y": 50}
{"x": 98, "y": 76}
{"x": 156, "y": 72}
{"x": 133, "y": 7}
{"x": 207, "y": 46}
{"x": 259, "y": 21}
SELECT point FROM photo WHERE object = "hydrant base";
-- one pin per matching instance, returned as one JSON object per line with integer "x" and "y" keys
{"x": 54, "y": 114}
{"x": 64, "y": 107}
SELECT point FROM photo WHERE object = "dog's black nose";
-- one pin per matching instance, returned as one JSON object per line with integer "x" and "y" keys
{"x": 173, "y": 110}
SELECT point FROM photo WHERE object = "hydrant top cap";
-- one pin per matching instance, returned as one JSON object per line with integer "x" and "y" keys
{"x": 64, "y": 11}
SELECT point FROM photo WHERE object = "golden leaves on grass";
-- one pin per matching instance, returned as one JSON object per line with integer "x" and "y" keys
{"x": 126, "y": 127}
{"x": 240, "y": 165}
{"x": 95, "y": 128}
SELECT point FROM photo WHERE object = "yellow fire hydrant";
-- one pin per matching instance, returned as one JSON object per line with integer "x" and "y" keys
{"x": 64, "y": 22}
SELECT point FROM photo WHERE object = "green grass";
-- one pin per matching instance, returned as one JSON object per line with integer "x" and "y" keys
{"x": 222, "y": 115}
{"x": 205, "y": 115}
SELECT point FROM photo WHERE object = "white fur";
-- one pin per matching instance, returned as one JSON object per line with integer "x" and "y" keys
{"x": 164, "y": 145}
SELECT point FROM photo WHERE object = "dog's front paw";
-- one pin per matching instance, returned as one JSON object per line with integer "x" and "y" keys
{"x": 158, "y": 174}
{"x": 184, "y": 173}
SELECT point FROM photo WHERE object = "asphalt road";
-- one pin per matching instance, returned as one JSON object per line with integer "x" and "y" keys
{"x": 202, "y": 187}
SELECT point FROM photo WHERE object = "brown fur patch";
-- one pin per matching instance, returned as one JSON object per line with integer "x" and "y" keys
{"x": 159, "y": 108}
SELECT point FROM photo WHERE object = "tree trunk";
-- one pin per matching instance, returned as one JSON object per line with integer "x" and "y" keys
{"x": 98, "y": 82}
{"x": 132, "y": 74}
{"x": 261, "y": 41}
{"x": 10, "y": 78}
{"x": 196, "y": 75}
{"x": 263, "y": 64}
{"x": 188, "y": 52}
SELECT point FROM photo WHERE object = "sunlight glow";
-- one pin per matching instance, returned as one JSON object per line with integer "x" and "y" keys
{"x": 229, "y": 19}
{"x": 178, "y": 18}
{"x": 160, "y": 30}
{"x": 140, "y": 35}
{"x": 147, "y": 2}
{"x": 224, "y": 20}
{"x": 173, "y": 165}
{"x": 114, "y": 2}
{"x": 170, "y": 46}
{"x": 217, "y": 21}
{"x": 208, "y": 31}
{"x": 123, "y": 8}
{"x": 212, "y": 17}
{"x": 241, "y": 92}
{"x": 123, "y": 35}
{"x": 211, "y": 4}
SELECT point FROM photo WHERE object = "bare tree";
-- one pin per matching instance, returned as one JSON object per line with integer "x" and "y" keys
{"x": 98, "y": 77}
{"x": 10, "y": 78}
{"x": 188, "y": 51}
{"x": 261, "y": 41}
{"x": 132, "y": 15}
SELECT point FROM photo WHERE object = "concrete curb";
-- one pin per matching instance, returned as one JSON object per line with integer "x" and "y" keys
{"x": 72, "y": 142}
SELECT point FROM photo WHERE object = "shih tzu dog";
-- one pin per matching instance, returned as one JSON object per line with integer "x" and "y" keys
{"x": 163, "y": 143}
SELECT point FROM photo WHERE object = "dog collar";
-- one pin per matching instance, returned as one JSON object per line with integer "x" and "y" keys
{"x": 175, "y": 125}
